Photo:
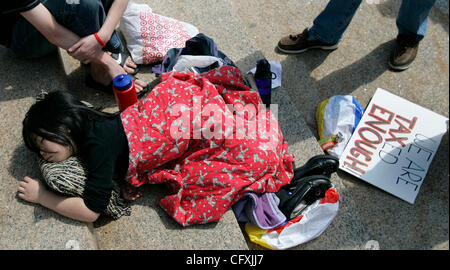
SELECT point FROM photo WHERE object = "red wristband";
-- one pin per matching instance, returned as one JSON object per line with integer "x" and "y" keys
{"x": 99, "y": 40}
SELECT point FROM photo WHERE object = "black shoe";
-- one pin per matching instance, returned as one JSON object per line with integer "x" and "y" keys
{"x": 404, "y": 52}
{"x": 317, "y": 165}
{"x": 300, "y": 43}
{"x": 295, "y": 198}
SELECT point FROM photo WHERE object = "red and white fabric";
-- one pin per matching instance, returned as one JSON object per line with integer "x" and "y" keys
{"x": 206, "y": 176}
{"x": 150, "y": 36}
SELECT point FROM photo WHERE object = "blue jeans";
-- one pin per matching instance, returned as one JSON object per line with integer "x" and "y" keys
{"x": 331, "y": 24}
{"x": 83, "y": 17}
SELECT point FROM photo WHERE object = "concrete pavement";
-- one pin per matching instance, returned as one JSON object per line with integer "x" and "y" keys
{"x": 247, "y": 31}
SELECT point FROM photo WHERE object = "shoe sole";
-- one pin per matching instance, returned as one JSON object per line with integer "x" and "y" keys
{"x": 326, "y": 48}
{"x": 399, "y": 68}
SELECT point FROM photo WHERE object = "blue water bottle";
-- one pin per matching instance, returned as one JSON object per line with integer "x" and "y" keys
{"x": 263, "y": 79}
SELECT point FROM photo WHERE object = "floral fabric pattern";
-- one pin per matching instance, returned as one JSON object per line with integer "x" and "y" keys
{"x": 210, "y": 139}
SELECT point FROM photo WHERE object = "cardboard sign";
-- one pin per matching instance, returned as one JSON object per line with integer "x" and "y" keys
{"x": 394, "y": 144}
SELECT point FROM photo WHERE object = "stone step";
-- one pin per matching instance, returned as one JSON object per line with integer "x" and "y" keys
{"x": 358, "y": 67}
{"x": 247, "y": 31}
{"x": 149, "y": 227}
{"x": 25, "y": 225}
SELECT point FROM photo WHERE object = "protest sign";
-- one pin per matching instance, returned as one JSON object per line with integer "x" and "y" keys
{"x": 394, "y": 144}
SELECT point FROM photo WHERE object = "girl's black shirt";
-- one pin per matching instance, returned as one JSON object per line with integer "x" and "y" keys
{"x": 105, "y": 152}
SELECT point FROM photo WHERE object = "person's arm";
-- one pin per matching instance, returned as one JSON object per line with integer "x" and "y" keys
{"x": 41, "y": 18}
{"x": 88, "y": 47}
{"x": 112, "y": 19}
{"x": 32, "y": 190}
{"x": 45, "y": 23}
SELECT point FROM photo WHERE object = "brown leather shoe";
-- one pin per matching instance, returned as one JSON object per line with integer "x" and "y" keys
{"x": 299, "y": 43}
{"x": 404, "y": 53}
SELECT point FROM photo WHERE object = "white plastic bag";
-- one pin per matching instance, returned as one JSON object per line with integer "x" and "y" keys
{"x": 337, "y": 118}
{"x": 190, "y": 62}
{"x": 149, "y": 36}
{"x": 314, "y": 220}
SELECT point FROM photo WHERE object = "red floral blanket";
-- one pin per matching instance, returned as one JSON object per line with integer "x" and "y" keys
{"x": 208, "y": 137}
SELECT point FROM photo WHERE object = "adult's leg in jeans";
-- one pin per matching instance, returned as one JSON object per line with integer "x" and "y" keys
{"x": 332, "y": 22}
{"x": 84, "y": 18}
{"x": 27, "y": 42}
{"x": 412, "y": 18}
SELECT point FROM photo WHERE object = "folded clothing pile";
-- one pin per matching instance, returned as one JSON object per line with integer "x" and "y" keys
{"x": 298, "y": 212}
{"x": 199, "y": 55}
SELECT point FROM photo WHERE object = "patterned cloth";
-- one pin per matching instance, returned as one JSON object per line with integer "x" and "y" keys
{"x": 149, "y": 36}
{"x": 170, "y": 140}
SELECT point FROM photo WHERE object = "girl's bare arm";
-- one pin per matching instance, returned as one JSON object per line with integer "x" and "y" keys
{"x": 33, "y": 190}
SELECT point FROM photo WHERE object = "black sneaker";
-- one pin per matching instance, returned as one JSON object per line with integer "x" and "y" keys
{"x": 299, "y": 43}
{"x": 404, "y": 52}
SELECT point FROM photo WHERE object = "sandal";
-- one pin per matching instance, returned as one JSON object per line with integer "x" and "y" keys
{"x": 121, "y": 58}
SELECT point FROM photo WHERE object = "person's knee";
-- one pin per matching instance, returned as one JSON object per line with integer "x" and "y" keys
{"x": 90, "y": 4}
{"x": 84, "y": 18}
{"x": 85, "y": 7}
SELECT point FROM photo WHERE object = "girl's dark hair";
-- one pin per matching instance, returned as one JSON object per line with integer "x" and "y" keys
{"x": 60, "y": 118}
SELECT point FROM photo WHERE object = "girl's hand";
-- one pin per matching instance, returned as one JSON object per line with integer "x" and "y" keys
{"x": 86, "y": 49}
{"x": 31, "y": 190}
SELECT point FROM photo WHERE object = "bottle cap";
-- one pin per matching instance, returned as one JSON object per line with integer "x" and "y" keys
{"x": 263, "y": 69}
{"x": 122, "y": 82}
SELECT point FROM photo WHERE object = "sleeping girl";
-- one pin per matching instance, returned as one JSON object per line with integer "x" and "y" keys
{"x": 183, "y": 134}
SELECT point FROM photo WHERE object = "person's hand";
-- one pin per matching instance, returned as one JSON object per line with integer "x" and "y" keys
{"x": 31, "y": 190}
{"x": 86, "y": 49}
